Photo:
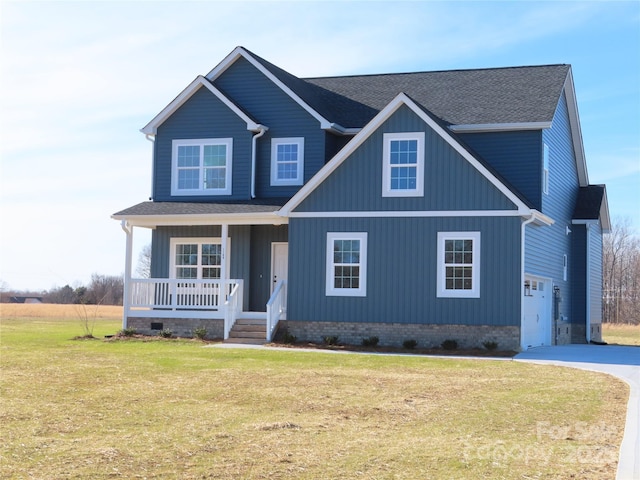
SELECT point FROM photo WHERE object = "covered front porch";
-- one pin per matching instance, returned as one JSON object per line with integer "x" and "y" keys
{"x": 221, "y": 271}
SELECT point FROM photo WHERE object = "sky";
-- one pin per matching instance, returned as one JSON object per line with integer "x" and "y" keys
{"x": 78, "y": 80}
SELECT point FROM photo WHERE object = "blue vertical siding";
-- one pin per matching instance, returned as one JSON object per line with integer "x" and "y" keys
{"x": 545, "y": 246}
{"x": 240, "y": 236}
{"x": 595, "y": 273}
{"x": 269, "y": 105}
{"x": 516, "y": 156}
{"x": 203, "y": 116}
{"x": 262, "y": 236}
{"x": 579, "y": 274}
{"x": 451, "y": 183}
{"x": 402, "y": 270}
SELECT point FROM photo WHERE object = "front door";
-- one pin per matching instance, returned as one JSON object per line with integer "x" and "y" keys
{"x": 279, "y": 263}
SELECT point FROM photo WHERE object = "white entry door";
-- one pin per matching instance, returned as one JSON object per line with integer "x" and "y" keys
{"x": 536, "y": 312}
{"x": 279, "y": 263}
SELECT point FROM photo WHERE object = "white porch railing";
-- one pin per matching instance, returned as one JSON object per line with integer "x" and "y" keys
{"x": 276, "y": 308}
{"x": 149, "y": 296}
{"x": 233, "y": 307}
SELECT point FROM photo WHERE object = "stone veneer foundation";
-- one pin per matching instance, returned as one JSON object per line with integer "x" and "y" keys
{"x": 181, "y": 327}
{"x": 394, "y": 334}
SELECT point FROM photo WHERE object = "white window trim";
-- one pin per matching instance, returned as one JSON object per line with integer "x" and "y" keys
{"x": 174, "y": 241}
{"x": 361, "y": 291}
{"x": 545, "y": 169}
{"x": 201, "y": 191}
{"x": 275, "y": 181}
{"x": 386, "y": 165}
{"x": 442, "y": 292}
{"x": 565, "y": 267}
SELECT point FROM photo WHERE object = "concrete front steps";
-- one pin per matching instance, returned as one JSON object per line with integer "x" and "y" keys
{"x": 248, "y": 331}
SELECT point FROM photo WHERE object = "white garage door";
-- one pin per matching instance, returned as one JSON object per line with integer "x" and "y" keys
{"x": 536, "y": 306}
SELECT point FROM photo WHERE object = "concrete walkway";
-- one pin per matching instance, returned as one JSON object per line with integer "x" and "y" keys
{"x": 621, "y": 362}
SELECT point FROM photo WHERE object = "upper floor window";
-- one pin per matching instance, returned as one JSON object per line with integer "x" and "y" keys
{"x": 287, "y": 161}
{"x": 545, "y": 169}
{"x": 347, "y": 264}
{"x": 458, "y": 264}
{"x": 403, "y": 165}
{"x": 202, "y": 166}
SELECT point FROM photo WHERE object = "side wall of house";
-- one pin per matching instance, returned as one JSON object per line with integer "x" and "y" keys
{"x": 516, "y": 156}
{"x": 547, "y": 246}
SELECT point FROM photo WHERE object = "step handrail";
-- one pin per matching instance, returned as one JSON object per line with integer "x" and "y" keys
{"x": 233, "y": 308}
{"x": 276, "y": 306}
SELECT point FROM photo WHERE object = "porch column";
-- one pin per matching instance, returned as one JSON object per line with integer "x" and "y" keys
{"x": 224, "y": 240}
{"x": 126, "y": 295}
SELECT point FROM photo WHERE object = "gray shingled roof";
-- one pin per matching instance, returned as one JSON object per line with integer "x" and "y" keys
{"x": 458, "y": 97}
{"x": 194, "y": 208}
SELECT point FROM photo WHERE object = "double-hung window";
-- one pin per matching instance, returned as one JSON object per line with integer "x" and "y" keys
{"x": 202, "y": 166}
{"x": 196, "y": 258}
{"x": 403, "y": 164}
{"x": 287, "y": 161}
{"x": 347, "y": 264}
{"x": 458, "y": 264}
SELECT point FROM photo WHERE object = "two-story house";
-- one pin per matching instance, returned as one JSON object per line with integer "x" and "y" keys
{"x": 424, "y": 206}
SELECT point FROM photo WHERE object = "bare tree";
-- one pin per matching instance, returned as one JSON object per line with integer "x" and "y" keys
{"x": 621, "y": 274}
{"x": 144, "y": 262}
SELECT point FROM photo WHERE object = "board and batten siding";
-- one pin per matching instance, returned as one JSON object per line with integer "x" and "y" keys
{"x": 516, "y": 156}
{"x": 402, "y": 272}
{"x": 262, "y": 236}
{"x": 202, "y": 116}
{"x": 546, "y": 246}
{"x": 451, "y": 182}
{"x": 267, "y": 104}
{"x": 595, "y": 273}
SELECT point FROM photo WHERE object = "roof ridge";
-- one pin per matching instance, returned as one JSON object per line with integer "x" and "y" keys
{"x": 514, "y": 67}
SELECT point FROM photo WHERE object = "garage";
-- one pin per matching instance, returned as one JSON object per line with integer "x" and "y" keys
{"x": 536, "y": 312}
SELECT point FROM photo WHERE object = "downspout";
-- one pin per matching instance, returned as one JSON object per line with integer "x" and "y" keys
{"x": 254, "y": 141}
{"x": 126, "y": 295}
{"x": 152, "y": 138}
{"x": 522, "y": 257}
{"x": 588, "y": 295}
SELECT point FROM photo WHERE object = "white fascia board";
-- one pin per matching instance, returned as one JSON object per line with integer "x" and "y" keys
{"x": 241, "y": 52}
{"x": 409, "y": 214}
{"x": 540, "y": 218}
{"x": 152, "y": 127}
{"x": 340, "y": 157}
{"x": 383, "y": 115}
{"x": 151, "y": 221}
{"x": 576, "y": 131}
{"x": 499, "y": 127}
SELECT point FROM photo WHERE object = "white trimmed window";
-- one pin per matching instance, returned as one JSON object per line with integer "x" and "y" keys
{"x": 545, "y": 169}
{"x": 347, "y": 264}
{"x": 202, "y": 166}
{"x": 403, "y": 164}
{"x": 196, "y": 258}
{"x": 287, "y": 161}
{"x": 458, "y": 264}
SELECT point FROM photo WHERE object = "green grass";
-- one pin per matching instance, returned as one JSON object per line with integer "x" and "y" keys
{"x": 175, "y": 409}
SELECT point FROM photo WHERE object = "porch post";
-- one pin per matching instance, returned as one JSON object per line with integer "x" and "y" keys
{"x": 126, "y": 296}
{"x": 224, "y": 275}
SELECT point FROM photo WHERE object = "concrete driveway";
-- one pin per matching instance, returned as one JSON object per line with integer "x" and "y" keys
{"x": 620, "y": 361}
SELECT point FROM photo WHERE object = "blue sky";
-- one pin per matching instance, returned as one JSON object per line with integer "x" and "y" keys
{"x": 79, "y": 79}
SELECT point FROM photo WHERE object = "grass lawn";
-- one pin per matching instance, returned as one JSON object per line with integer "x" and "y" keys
{"x": 175, "y": 409}
{"x": 621, "y": 334}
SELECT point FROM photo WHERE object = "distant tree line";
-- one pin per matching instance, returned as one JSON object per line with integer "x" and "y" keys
{"x": 101, "y": 290}
{"x": 621, "y": 275}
